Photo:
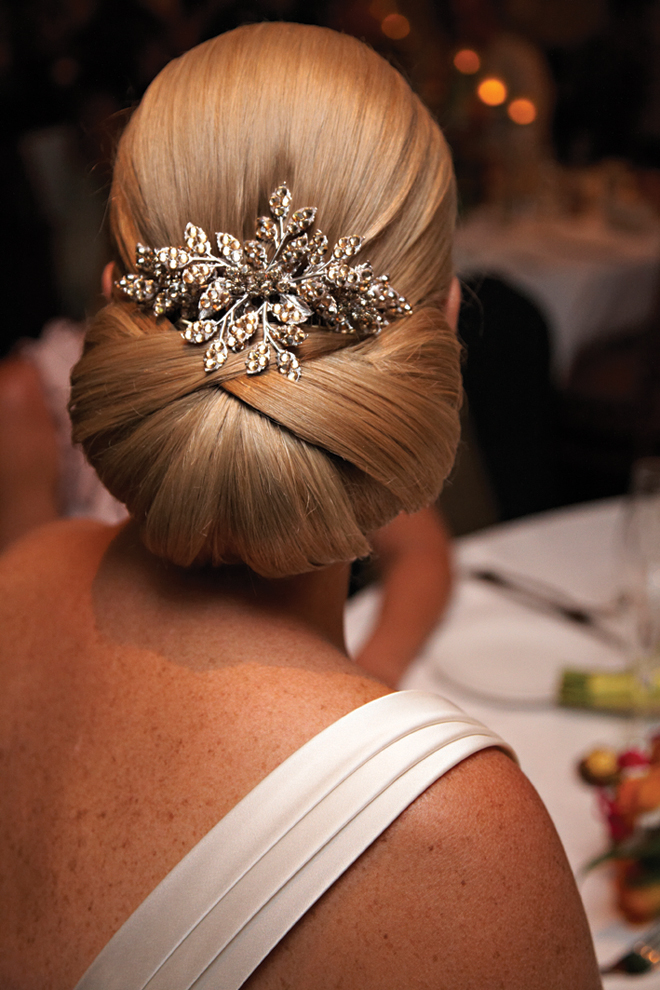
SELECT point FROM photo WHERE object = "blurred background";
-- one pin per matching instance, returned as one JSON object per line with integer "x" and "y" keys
{"x": 552, "y": 111}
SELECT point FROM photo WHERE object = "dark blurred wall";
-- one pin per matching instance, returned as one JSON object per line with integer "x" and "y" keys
{"x": 70, "y": 70}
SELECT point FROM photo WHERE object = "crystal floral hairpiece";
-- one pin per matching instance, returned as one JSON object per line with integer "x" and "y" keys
{"x": 262, "y": 292}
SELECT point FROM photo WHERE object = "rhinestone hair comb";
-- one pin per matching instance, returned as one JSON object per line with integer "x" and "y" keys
{"x": 261, "y": 293}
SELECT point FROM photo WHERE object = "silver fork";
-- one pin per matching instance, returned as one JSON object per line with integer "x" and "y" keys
{"x": 642, "y": 956}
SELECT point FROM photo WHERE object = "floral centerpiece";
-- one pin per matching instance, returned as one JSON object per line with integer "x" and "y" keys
{"x": 628, "y": 786}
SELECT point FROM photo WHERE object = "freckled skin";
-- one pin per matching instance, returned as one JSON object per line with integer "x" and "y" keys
{"x": 121, "y": 747}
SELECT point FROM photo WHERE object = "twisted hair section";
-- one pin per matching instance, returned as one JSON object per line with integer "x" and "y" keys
{"x": 224, "y": 467}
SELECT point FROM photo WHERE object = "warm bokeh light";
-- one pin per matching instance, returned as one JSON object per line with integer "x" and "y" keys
{"x": 492, "y": 92}
{"x": 521, "y": 111}
{"x": 395, "y": 26}
{"x": 467, "y": 61}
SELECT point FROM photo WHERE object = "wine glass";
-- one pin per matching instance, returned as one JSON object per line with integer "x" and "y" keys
{"x": 641, "y": 567}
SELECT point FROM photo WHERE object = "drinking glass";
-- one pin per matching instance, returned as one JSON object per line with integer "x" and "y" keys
{"x": 641, "y": 562}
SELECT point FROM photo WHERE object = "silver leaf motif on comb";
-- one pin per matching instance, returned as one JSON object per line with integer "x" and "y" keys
{"x": 261, "y": 295}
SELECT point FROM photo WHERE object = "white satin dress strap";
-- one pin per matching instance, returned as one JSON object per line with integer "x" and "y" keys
{"x": 235, "y": 895}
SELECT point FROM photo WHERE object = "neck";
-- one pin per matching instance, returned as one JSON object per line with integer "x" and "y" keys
{"x": 141, "y": 599}
{"x": 315, "y": 599}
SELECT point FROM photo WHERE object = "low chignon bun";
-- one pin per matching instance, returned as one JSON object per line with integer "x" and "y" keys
{"x": 227, "y": 467}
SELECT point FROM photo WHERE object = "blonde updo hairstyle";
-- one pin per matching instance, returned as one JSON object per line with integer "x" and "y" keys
{"x": 226, "y": 467}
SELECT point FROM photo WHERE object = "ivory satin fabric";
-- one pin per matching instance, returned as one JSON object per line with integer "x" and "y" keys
{"x": 221, "y": 910}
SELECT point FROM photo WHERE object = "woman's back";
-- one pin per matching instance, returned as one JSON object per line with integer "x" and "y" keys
{"x": 130, "y": 753}
{"x": 146, "y": 750}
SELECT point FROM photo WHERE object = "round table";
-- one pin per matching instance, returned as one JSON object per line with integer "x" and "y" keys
{"x": 501, "y": 661}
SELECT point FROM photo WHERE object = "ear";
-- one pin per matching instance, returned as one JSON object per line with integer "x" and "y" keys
{"x": 106, "y": 280}
{"x": 453, "y": 304}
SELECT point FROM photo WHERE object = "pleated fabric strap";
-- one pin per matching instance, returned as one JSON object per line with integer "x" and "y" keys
{"x": 235, "y": 895}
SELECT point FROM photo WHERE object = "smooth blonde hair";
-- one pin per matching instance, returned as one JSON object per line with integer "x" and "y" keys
{"x": 224, "y": 467}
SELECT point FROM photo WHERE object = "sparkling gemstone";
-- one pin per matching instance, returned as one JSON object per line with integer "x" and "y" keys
{"x": 258, "y": 359}
{"x": 199, "y": 331}
{"x": 162, "y": 303}
{"x": 367, "y": 321}
{"x": 241, "y": 330}
{"x": 338, "y": 273}
{"x": 284, "y": 283}
{"x": 259, "y": 284}
{"x": 312, "y": 291}
{"x": 172, "y": 257}
{"x": 216, "y": 297}
{"x": 196, "y": 240}
{"x": 266, "y": 287}
{"x": 301, "y": 220}
{"x": 293, "y": 256}
{"x": 375, "y": 293}
{"x": 366, "y": 274}
{"x": 215, "y": 356}
{"x": 144, "y": 257}
{"x": 229, "y": 248}
{"x": 295, "y": 253}
{"x": 327, "y": 306}
{"x": 318, "y": 245}
{"x": 287, "y": 365}
{"x": 267, "y": 229}
{"x": 137, "y": 287}
{"x": 286, "y": 312}
{"x": 346, "y": 247}
{"x": 280, "y": 202}
{"x": 198, "y": 273}
{"x": 290, "y": 336}
{"x": 176, "y": 291}
{"x": 255, "y": 254}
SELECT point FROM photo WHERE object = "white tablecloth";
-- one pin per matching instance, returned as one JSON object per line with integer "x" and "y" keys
{"x": 501, "y": 662}
{"x": 587, "y": 279}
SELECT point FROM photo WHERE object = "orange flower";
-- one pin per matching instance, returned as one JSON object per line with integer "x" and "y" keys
{"x": 636, "y": 795}
{"x": 648, "y": 791}
{"x": 626, "y": 801}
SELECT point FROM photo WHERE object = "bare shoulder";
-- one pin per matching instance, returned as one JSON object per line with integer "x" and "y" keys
{"x": 469, "y": 888}
{"x": 56, "y": 544}
{"x": 52, "y": 564}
